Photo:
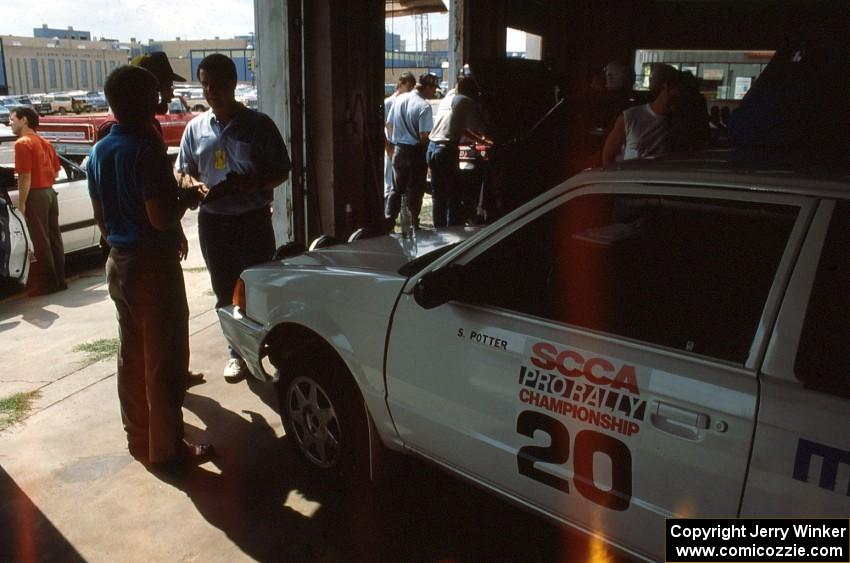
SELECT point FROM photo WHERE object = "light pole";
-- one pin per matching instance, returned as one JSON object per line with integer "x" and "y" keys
{"x": 251, "y": 64}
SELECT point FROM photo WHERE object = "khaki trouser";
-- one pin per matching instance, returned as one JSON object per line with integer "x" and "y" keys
{"x": 153, "y": 319}
{"x": 42, "y": 214}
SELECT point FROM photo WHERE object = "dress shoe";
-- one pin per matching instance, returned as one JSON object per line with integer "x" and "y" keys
{"x": 195, "y": 453}
{"x": 188, "y": 454}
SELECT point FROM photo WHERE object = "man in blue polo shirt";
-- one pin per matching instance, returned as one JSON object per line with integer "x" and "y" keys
{"x": 138, "y": 207}
{"x": 239, "y": 154}
{"x": 408, "y": 125}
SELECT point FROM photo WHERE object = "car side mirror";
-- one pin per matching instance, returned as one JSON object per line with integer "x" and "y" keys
{"x": 439, "y": 286}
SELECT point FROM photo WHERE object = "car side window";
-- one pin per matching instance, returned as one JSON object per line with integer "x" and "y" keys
{"x": 685, "y": 273}
{"x": 823, "y": 357}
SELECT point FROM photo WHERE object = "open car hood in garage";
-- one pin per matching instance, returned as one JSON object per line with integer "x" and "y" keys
{"x": 388, "y": 252}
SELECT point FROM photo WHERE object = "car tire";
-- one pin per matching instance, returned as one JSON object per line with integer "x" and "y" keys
{"x": 324, "y": 417}
{"x": 61, "y": 111}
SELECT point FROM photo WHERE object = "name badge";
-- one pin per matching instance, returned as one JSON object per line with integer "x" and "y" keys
{"x": 220, "y": 160}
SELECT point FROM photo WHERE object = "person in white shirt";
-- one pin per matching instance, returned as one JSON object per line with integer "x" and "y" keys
{"x": 408, "y": 125}
{"x": 459, "y": 116}
{"x": 644, "y": 131}
{"x": 406, "y": 82}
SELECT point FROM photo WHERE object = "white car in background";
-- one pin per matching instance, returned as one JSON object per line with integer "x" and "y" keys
{"x": 76, "y": 217}
{"x": 654, "y": 340}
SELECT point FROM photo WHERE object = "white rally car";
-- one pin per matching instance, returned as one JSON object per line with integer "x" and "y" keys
{"x": 660, "y": 339}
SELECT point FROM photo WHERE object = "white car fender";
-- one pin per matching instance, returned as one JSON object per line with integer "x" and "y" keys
{"x": 352, "y": 333}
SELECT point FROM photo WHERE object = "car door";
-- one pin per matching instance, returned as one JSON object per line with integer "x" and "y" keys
{"x": 76, "y": 217}
{"x": 801, "y": 454}
{"x": 596, "y": 362}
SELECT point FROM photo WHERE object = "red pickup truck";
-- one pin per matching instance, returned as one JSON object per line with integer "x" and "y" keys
{"x": 74, "y": 136}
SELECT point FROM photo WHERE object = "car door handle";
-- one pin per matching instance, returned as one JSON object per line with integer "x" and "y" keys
{"x": 679, "y": 414}
{"x": 678, "y": 421}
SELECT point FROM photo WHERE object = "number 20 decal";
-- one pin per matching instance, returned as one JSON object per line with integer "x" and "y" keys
{"x": 587, "y": 444}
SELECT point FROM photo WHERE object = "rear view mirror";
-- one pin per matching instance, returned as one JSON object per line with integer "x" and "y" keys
{"x": 439, "y": 286}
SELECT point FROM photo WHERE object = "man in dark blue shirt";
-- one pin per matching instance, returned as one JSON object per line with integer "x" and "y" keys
{"x": 138, "y": 207}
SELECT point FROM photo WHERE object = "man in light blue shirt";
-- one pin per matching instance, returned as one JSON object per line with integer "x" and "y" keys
{"x": 240, "y": 156}
{"x": 406, "y": 82}
{"x": 408, "y": 125}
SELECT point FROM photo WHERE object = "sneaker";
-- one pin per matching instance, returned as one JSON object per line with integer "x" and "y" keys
{"x": 235, "y": 370}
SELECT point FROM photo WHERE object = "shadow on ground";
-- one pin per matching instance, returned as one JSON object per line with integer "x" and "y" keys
{"x": 270, "y": 505}
{"x": 25, "y": 532}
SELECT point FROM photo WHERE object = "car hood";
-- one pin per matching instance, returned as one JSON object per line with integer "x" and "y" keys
{"x": 386, "y": 253}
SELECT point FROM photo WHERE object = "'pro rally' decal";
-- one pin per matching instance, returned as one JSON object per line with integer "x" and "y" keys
{"x": 576, "y": 384}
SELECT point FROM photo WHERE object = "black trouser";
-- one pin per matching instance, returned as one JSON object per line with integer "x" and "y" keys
{"x": 409, "y": 172}
{"x": 153, "y": 324}
{"x": 231, "y": 243}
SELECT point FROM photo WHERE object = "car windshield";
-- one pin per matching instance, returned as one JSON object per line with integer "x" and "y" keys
{"x": 417, "y": 264}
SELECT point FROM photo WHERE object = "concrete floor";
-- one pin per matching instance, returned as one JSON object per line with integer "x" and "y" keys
{"x": 69, "y": 491}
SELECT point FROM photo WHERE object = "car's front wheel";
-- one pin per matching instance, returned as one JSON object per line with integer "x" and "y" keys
{"x": 324, "y": 418}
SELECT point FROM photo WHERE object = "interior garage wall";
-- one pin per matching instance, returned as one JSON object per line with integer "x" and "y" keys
{"x": 343, "y": 83}
{"x": 343, "y": 42}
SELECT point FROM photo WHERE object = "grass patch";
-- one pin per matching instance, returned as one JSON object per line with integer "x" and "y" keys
{"x": 15, "y": 408}
{"x": 97, "y": 350}
{"x": 195, "y": 269}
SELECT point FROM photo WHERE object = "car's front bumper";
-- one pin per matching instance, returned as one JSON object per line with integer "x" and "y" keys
{"x": 246, "y": 338}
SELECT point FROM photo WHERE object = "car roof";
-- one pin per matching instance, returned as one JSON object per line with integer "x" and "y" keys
{"x": 793, "y": 172}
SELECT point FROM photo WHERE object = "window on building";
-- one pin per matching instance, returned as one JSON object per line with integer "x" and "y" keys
{"x": 51, "y": 74}
{"x": 84, "y": 74}
{"x": 35, "y": 74}
{"x": 22, "y": 78}
{"x": 523, "y": 45}
{"x": 684, "y": 273}
{"x": 99, "y": 73}
{"x": 69, "y": 75}
{"x": 823, "y": 358}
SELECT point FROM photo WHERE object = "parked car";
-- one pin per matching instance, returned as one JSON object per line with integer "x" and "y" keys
{"x": 194, "y": 98}
{"x": 654, "y": 340}
{"x": 76, "y": 218}
{"x": 97, "y": 101}
{"x": 74, "y": 136}
{"x": 41, "y": 104}
{"x": 17, "y": 101}
{"x": 65, "y": 103}
{"x": 4, "y": 115}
